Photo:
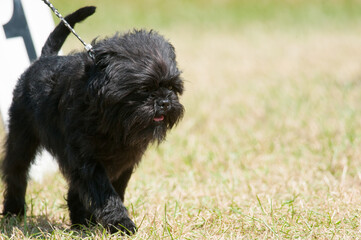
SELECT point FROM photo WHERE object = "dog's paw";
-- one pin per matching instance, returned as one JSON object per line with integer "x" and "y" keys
{"x": 13, "y": 208}
{"x": 125, "y": 225}
{"x": 114, "y": 217}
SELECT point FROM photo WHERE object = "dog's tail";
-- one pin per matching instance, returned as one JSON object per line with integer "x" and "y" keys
{"x": 57, "y": 37}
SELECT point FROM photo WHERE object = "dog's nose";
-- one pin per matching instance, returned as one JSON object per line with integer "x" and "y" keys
{"x": 164, "y": 104}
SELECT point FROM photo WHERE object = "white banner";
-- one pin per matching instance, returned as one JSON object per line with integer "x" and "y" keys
{"x": 24, "y": 27}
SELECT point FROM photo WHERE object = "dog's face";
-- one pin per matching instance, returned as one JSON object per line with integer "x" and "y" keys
{"x": 138, "y": 84}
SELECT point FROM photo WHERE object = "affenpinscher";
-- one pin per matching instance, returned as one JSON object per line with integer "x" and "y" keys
{"x": 96, "y": 117}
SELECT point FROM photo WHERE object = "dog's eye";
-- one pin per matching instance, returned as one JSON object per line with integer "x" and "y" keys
{"x": 170, "y": 88}
{"x": 147, "y": 89}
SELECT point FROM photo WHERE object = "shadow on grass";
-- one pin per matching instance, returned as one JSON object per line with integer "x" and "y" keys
{"x": 41, "y": 227}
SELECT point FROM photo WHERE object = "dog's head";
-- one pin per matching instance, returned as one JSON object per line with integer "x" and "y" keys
{"x": 137, "y": 83}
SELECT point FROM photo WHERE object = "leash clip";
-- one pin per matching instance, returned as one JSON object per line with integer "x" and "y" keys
{"x": 89, "y": 49}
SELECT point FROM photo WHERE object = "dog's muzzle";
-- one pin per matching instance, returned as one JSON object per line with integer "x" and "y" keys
{"x": 162, "y": 106}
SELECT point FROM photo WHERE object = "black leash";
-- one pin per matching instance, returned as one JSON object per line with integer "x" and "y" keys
{"x": 87, "y": 47}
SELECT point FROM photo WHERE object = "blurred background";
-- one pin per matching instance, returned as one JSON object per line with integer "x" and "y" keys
{"x": 215, "y": 14}
{"x": 270, "y": 145}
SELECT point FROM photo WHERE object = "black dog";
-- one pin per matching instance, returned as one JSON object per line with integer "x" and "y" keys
{"x": 97, "y": 118}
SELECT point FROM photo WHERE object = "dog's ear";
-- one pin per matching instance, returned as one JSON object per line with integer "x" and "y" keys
{"x": 97, "y": 84}
{"x": 104, "y": 55}
{"x": 105, "y": 51}
{"x": 103, "y": 59}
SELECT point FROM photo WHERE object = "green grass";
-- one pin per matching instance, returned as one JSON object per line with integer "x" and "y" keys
{"x": 121, "y": 15}
{"x": 270, "y": 145}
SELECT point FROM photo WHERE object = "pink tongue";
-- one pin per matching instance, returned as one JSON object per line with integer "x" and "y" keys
{"x": 158, "y": 119}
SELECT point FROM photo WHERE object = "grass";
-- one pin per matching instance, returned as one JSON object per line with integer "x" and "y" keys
{"x": 269, "y": 148}
{"x": 213, "y": 14}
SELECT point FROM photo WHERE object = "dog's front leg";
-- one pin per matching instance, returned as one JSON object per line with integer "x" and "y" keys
{"x": 121, "y": 183}
{"x": 99, "y": 198}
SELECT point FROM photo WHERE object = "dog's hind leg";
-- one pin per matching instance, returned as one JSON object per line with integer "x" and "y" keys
{"x": 20, "y": 151}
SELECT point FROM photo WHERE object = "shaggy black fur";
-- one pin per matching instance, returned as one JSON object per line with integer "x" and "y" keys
{"x": 96, "y": 117}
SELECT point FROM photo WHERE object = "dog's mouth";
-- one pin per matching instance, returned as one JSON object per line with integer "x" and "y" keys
{"x": 158, "y": 118}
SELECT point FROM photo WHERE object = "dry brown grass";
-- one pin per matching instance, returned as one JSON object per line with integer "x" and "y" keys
{"x": 270, "y": 145}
